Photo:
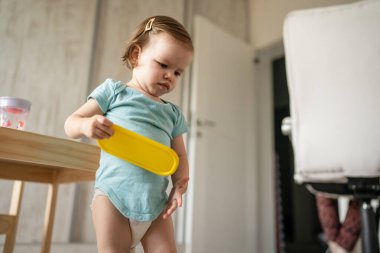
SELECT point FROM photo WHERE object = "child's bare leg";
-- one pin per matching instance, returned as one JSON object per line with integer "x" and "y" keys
{"x": 113, "y": 233}
{"x": 160, "y": 237}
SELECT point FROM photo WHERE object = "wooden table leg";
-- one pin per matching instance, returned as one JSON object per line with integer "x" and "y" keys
{"x": 14, "y": 213}
{"x": 49, "y": 217}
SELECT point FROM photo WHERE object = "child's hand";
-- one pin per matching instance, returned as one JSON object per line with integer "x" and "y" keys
{"x": 97, "y": 127}
{"x": 175, "y": 197}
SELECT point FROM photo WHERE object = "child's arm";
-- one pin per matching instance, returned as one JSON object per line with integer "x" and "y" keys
{"x": 88, "y": 120}
{"x": 179, "y": 179}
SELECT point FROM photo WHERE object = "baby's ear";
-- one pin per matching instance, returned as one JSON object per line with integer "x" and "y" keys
{"x": 135, "y": 55}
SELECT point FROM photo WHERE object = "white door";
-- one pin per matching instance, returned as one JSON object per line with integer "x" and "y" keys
{"x": 222, "y": 144}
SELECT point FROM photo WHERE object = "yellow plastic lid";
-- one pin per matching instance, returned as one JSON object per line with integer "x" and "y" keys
{"x": 141, "y": 151}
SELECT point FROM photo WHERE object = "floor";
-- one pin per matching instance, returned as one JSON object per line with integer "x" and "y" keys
{"x": 68, "y": 247}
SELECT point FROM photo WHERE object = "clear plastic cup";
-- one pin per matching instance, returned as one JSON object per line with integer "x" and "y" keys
{"x": 14, "y": 112}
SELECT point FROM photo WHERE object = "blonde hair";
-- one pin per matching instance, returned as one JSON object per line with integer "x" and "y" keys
{"x": 151, "y": 26}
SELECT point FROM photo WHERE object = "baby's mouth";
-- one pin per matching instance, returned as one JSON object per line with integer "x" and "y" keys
{"x": 164, "y": 85}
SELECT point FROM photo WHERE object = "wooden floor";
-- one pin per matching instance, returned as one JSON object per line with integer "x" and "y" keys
{"x": 55, "y": 248}
{"x": 67, "y": 247}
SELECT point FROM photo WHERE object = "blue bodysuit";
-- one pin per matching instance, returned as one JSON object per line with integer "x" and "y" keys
{"x": 138, "y": 194}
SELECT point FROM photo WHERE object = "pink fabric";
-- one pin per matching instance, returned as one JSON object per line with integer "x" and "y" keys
{"x": 344, "y": 234}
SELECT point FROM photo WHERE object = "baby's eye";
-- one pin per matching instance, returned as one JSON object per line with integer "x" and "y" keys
{"x": 177, "y": 73}
{"x": 163, "y": 65}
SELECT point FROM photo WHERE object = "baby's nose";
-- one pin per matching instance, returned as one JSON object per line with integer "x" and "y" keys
{"x": 168, "y": 75}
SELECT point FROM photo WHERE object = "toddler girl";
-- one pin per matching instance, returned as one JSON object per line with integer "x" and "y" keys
{"x": 130, "y": 204}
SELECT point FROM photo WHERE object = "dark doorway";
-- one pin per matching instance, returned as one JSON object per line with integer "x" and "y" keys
{"x": 298, "y": 228}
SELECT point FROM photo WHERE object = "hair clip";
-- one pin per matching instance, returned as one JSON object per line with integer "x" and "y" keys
{"x": 149, "y": 25}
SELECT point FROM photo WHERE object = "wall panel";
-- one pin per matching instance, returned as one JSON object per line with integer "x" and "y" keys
{"x": 44, "y": 57}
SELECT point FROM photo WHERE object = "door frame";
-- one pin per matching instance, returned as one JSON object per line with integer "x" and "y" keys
{"x": 266, "y": 164}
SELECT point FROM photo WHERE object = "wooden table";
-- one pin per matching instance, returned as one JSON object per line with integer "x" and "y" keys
{"x": 31, "y": 157}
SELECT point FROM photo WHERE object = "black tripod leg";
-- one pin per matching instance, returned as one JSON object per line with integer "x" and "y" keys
{"x": 377, "y": 216}
{"x": 370, "y": 241}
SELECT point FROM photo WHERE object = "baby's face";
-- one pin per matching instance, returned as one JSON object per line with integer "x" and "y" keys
{"x": 160, "y": 64}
